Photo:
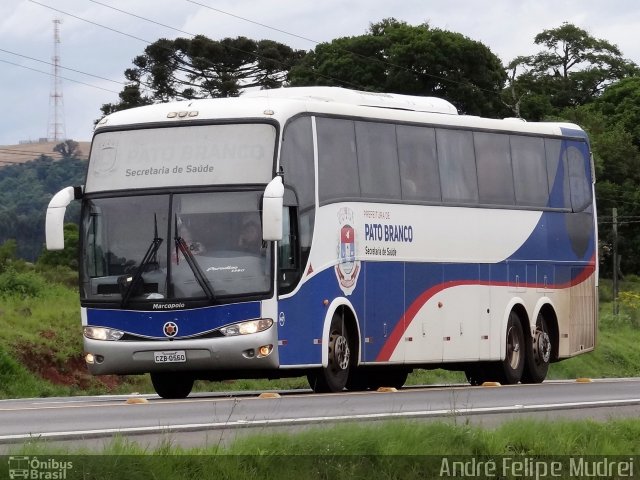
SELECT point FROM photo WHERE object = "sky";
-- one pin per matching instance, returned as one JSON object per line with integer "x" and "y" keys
{"x": 97, "y": 43}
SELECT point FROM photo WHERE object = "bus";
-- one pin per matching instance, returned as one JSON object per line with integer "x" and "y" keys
{"x": 393, "y": 234}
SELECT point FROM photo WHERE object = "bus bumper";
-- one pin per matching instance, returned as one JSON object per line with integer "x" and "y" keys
{"x": 242, "y": 352}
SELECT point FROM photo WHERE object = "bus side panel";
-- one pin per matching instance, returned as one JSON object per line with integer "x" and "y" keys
{"x": 423, "y": 317}
{"x": 577, "y": 312}
{"x": 463, "y": 318}
{"x": 385, "y": 307}
{"x": 301, "y": 316}
{"x": 461, "y": 339}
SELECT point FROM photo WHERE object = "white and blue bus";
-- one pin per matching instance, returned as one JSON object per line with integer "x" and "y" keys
{"x": 393, "y": 234}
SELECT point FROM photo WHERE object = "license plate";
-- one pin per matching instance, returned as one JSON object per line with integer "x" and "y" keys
{"x": 176, "y": 356}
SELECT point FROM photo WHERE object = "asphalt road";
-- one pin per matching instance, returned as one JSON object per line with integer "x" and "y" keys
{"x": 215, "y": 418}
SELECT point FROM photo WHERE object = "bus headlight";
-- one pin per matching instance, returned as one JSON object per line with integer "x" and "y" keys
{"x": 245, "y": 328}
{"x": 103, "y": 333}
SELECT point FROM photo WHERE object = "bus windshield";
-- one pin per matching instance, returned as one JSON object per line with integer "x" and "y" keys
{"x": 178, "y": 247}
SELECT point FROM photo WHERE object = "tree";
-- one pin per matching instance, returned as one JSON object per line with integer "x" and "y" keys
{"x": 620, "y": 103}
{"x": 416, "y": 60}
{"x": 7, "y": 254}
{"x": 67, "y": 257}
{"x": 573, "y": 70}
{"x": 201, "y": 68}
{"x": 25, "y": 191}
{"x": 617, "y": 165}
{"x": 68, "y": 148}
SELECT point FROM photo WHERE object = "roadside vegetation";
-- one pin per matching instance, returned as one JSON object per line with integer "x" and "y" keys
{"x": 392, "y": 450}
{"x": 41, "y": 338}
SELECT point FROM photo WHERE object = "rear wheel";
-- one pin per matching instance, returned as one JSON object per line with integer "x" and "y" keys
{"x": 510, "y": 369}
{"x": 539, "y": 350}
{"x": 334, "y": 377}
{"x": 172, "y": 384}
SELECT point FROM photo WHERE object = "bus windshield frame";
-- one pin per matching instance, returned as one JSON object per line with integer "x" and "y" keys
{"x": 226, "y": 259}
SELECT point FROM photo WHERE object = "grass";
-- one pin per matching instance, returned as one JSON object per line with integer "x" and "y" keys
{"x": 49, "y": 324}
{"x": 616, "y": 437}
{"x": 41, "y": 349}
{"x": 616, "y": 353}
{"x": 390, "y": 450}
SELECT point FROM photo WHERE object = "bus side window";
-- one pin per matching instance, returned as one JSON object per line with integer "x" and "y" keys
{"x": 288, "y": 252}
{"x": 579, "y": 180}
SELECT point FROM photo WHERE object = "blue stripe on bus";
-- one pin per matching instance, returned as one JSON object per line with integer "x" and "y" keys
{"x": 391, "y": 288}
{"x": 190, "y": 322}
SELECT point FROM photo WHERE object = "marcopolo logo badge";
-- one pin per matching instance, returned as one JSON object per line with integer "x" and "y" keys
{"x": 348, "y": 268}
{"x": 170, "y": 329}
{"x": 38, "y": 468}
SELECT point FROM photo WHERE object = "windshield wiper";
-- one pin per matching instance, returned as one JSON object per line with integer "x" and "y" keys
{"x": 130, "y": 284}
{"x": 201, "y": 278}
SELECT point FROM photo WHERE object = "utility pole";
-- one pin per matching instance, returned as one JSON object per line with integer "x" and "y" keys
{"x": 56, "y": 130}
{"x": 615, "y": 261}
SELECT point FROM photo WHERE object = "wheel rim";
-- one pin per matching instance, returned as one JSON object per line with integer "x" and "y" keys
{"x": 513, "y": 348}
{"x": 542, "y": 347}
{"x": 341, "y": 352}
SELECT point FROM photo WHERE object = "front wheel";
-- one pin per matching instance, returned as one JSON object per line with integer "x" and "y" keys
{"x": 172, "y": 384}
{"x": 539, "y": 350}
{"x": 334, "y": 377}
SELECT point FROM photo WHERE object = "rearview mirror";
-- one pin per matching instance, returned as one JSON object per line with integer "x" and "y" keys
{"x": 54, "y": 225}
{"x": 272, "y": 210}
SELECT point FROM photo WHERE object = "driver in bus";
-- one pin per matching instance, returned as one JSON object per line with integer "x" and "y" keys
{"x": 250, "y": 238}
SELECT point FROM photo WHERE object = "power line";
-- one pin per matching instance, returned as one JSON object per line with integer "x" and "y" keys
{"x": 60, "y": 66}
{"x": 254, "y": 22}
{"x": 620, "y": 222}
{"x": 139, "y": 38}
{"x": 343, "y": 82}
{"x": 142, "y": 18}
{"x": 89, "y": 21}
{"x": 51, "y": 74}
{"x": 366, "y": 57}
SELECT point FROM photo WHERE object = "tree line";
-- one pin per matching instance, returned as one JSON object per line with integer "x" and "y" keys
{"x": 25, "y": 192}
{"x": 573, "y": 77}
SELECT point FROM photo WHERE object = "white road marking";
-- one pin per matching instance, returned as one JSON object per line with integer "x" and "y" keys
{"x": 243, "y": 423}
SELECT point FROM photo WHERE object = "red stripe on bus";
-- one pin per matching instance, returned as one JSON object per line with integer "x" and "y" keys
{"x": 400, "y": 328}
